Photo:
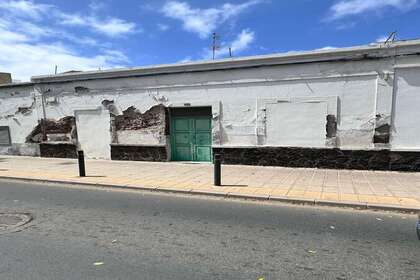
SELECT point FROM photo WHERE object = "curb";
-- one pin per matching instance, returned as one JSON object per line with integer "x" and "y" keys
{"x": 283, "y": 199}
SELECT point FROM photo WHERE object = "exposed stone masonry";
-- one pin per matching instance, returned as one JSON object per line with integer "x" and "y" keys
{"x": 139, "y": 153}
{"x": 322, "y": 158}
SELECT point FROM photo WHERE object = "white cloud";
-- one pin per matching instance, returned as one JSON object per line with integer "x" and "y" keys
{"x": 241, "y": 43}
{"x": 162, "y": 27}
{"x": 204, "y": 21}
{"x": 186, "y": 59}
{"x": 8, "y": 36}
{"x": 381, "y": 39}
{"x": 326, "y": 48}
{"x": 345, "y": 8}
{"x": 32, "y": 45}
{"x": 111, "y": 27}
{"x": 22, "y": 8}
{"x": 24, "y": 59}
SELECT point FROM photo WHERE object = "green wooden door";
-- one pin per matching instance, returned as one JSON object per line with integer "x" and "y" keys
{"x": 191, "y": 138}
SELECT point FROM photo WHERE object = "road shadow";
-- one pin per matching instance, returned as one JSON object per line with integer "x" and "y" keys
{"x": 239, "y": 186}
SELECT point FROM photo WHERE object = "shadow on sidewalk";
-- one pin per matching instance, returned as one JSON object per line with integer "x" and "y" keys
{"x": 239, "y": 186}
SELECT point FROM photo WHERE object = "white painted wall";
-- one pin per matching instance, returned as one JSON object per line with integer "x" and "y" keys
{"x": 360, "y": 89}
{"x": 20, "y": 124}
{"x": 93, "y": 132}
{"x": 406, "y": 118}
{"x": 143, "y": 137}
{"x": 356, "y": 95}
{"x": 296, "y": 124}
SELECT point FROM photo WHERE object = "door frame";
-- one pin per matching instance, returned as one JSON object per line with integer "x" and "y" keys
{"x": 212, "y": 122}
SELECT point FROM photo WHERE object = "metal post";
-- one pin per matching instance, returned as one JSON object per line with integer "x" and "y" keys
{"x": 81, "y": 158}
{"x": 217, "y": 170}
{"x": 418, "y": 227}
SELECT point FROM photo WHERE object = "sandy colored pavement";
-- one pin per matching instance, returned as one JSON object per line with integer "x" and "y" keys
{"x": 380, "y": 188}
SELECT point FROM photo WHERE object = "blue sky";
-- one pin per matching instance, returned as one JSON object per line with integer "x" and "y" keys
{"x": 36, "y": 35}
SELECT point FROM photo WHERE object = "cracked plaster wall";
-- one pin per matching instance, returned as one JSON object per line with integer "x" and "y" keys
{"x": 361, "y": 88}
{"x": 18, "y": 111}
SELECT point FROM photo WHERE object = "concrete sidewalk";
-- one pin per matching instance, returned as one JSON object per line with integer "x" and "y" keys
{"x": 365, "y": 189}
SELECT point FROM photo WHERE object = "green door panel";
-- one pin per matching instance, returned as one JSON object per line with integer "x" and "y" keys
{"x": 203, "y": 153}
{"x": 182, "y": 138}
{"x": 203, "y": 124}
{"x": 191, "y": 138}
{"x": 203, "y": 138}
{"x": 181, "y": 124}
{"x": 183, "y": 153}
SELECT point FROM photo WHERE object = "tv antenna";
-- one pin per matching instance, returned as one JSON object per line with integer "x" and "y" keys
{"x": 215, "y": 46}
{"x": 391, "y": 37}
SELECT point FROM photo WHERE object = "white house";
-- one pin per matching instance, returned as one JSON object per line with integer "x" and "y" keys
{"x": 355, "y": 107}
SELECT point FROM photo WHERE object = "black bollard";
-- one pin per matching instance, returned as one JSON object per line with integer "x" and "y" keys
{"x": 82, "y": 170}
{"x": 217, "y": 170}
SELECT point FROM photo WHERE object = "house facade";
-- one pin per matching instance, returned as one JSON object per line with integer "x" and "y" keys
{"x": 356, "y": 108}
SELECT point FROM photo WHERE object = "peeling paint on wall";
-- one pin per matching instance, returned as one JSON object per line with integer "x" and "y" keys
{"x": 80, "y": 89}
{"x": 135, "y": 128}
{"x": 159, "y": 98}
{"x": 133, "y": 119}
{"x": 62, "y": 130}
{"x": 382, "y": 129}
{"x": 110, "y": 106}
{"x": 331, "y": 126}
{"x": 354, "y": 92}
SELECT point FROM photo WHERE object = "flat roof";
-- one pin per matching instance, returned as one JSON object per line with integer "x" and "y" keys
{"x": 377, "y": 50}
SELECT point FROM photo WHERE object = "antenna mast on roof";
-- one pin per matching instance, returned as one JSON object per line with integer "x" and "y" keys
{"x": 391, "y": 37}
{"x": 215, "y": 46}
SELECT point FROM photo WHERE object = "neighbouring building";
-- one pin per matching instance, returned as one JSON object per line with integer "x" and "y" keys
{"x": 356, "y": 108}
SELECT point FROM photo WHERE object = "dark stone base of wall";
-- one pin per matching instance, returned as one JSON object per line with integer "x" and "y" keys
{"x": 322, "y": 158}
{"x": 58, "y": 150}
{"x": 139, "y": 153}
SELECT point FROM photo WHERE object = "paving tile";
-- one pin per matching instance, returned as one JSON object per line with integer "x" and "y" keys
{"x": 368, "y": 198}
{"x": 409, "y": 202}
{"x": 349, "y": 197}
{"x": 330, "y": 196}
{"x": 295, "y": 193}
{"x": 384, "y": 188}
{"x": 312, "y": 195}
{"x": 278, "y": 192}
{"x": 388, "y": 200}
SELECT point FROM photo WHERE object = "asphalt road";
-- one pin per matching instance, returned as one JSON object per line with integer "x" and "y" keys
{"x": 140, "y": 235}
